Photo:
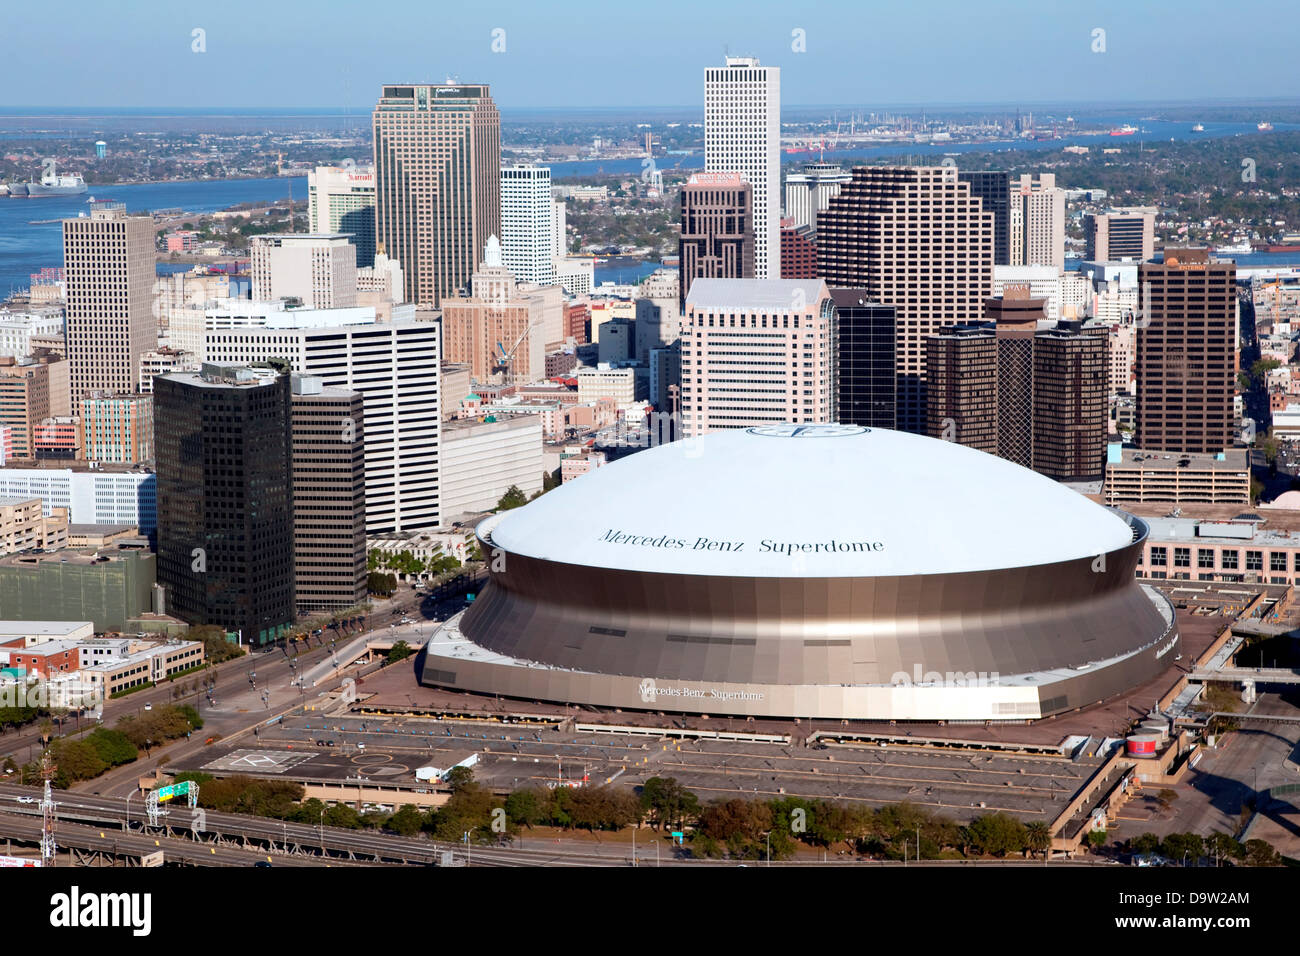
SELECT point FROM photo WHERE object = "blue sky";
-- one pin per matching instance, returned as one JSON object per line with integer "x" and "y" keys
{"x": 327, "y": 53}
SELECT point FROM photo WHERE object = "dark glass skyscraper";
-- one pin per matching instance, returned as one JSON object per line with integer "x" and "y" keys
{"x": 993, "y": 187}
{"x": 225, "y": 508}
{"x": 866, "y": 360}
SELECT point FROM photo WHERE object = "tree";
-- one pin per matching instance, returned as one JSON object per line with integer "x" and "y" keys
{"x": 1180, "y": 846}
{"x": 342, "y": 815}
{"x": 1261, "y": 853}
{"x": 407, "y": 821}
{"x": 1038, "y": 837}
{"x": 997, "y": 834}
{"x": 1145, "y": 844}
{"x": 399, "y": 652}
{"x": 668, "y": 801}
{"x": 1223, "y": 846}
{"x": 77, "y": 760}
{"x": 380, "y": 583}
{"x": 513, "y": 498}
{"x": 458, "y": 778}
{"x": 526, "y": 807}
{"x": 1097, "y": 838}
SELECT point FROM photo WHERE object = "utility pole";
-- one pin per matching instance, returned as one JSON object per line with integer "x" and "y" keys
{"x": 48, "y": 848}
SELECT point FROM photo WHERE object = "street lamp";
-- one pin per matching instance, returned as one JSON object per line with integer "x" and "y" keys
{"x": 467, "y": 844}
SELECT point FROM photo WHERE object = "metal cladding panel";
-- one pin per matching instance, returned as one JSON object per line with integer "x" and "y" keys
{"x": 756, "y": 631}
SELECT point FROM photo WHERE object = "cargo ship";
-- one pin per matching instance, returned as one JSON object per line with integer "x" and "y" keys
{"x": 1124, "y": 131}
{"x": 52, "y": 184}
{"x": 1265, "y": 127}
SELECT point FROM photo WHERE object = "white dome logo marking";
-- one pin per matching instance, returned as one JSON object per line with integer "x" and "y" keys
{"x": 807, "y": 431}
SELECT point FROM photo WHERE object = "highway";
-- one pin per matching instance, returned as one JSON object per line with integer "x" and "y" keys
{"x": 27, "y": 828}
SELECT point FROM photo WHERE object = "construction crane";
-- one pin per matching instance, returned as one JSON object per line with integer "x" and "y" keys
{"x": 505, "y": 362}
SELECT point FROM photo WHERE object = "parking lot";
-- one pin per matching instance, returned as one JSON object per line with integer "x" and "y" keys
{"x": 957, "y": 783}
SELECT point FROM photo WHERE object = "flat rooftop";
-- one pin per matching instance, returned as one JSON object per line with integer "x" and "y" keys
{"x": 1234, "y": 460}
{"x": 53, "y": 629}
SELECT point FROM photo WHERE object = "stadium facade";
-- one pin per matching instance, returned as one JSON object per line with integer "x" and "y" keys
{"x": 823, "y": 571}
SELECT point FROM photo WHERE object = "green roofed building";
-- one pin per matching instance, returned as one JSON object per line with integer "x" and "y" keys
{"x": 108, "y": 589}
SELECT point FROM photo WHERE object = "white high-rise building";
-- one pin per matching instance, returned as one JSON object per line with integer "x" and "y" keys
{"x": 559, "y": 227}
{"x": 321, "y": 270}
{"x": 396, "y": 368}
{"x": 1041, "y": 204}
{"x": 742, "y": 134}
{"x": 527, "y": 226}
{"x": 342, "y": 199}
{"x": 92, "y": 496}
{"x": 809, "y": 192}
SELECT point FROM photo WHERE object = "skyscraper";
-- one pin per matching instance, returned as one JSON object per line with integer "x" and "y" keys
{"x": 758, "y": 352}
{"x": 225, "y": 510}
{"x": 437, "y": 183}
{"x": 342, "y": 199}
{"x": 962, "y": 397}
{"x": 329, "y": 495}
{"x": 742, "y": 134}
{"x": 914, "y": 238}
{"x": 808, "y": 192}
{"x": 527, "y": 231}
{"x": 1042, "y": 220}
{"x": 1120, "y": 234}
{"x": 717, "y": 238}
{"x": 1186, "y": 353}
{"x": 865, "y": 360}
{"x": 993, "y": 187}
{"x": 395, "y": 366}
{"x": 108, "y": 260}
{"x": 319, "y": 270}
{"x": 1071, "y": 374}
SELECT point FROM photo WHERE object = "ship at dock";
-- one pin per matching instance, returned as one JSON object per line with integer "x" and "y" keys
{"x": 52, "y": 184}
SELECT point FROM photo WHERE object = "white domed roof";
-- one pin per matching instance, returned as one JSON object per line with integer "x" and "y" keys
{"x": 810, "y": 501}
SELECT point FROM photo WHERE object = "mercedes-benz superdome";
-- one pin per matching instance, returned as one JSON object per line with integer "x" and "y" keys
{"x": 823, "y": 571}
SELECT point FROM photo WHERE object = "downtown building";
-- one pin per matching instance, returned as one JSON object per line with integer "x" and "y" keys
{"x": 108, "y": 260}
{"x": 912, "y": 238}
{"x": 341, "y": 199}
{"x": 865, "y": 360}
{"x": 808, "y": 192}
{"x": 993, "y": 187}
{"x": 718, "y": 230}
{"x": 319, "y": 270}
{"x": 503, "y": 326}
{"x": 1186, "y": 353}
{"x": 1037, "y": 221}
{"x": 742, "y": 134}
{"x": 528, "y": 238}
{"x": 225, "y": 500}
{"x": 395, "y": 367}
{"x": 1120, "y": 234}
{"x": 329, "y": 495}
{"x": 1025, "y": 389}
{"x": 758, "y": 352}
{"x": 437, "y": 183}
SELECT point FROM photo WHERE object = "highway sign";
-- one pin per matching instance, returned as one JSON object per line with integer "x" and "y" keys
{"x": 174, "y": 790}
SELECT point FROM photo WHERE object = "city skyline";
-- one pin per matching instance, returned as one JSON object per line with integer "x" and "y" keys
{"x": 1057, "y": 53}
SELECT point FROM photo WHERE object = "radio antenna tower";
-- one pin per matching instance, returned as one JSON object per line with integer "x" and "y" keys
{"x": 48, "y": 847}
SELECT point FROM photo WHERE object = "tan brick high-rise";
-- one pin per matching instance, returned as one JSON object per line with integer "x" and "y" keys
{"x": 916, "y": 239}
{"x": 437, "y": 183}
{"x": 108, "y": 260}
